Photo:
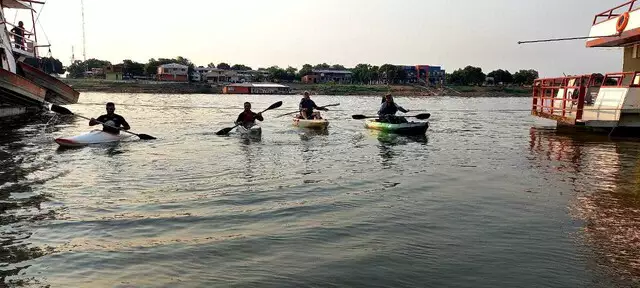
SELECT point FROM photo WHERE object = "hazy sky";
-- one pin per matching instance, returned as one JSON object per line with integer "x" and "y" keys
{"x": 261, "y": 33}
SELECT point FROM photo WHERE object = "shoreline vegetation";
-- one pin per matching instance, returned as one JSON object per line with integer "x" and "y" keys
{"x": 106, "y": 86}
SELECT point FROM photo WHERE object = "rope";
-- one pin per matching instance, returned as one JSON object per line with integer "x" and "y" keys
{"x": 40, "y": 12}
{"x": 565, "y": 39}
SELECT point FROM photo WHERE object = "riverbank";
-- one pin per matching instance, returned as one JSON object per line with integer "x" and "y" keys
{"x": 85, "y": 85}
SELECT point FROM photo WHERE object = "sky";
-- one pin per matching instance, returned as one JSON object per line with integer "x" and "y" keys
{"x": 263, "y": 33}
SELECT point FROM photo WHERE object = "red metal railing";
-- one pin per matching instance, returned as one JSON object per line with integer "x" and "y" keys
{"x": 622, "y": 79}
{"x": 612, "y": 13}
{"x": 557, "y": 98}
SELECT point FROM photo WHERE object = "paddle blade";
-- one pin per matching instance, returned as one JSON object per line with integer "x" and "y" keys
{"x": 60, "y": 110}
{"x": 275, "y": 105}
{"x": 146, "y": 137}
{"x": 423, "y": 116}
{"x": 359, "y": 117}
{"x": 224, "y": 131}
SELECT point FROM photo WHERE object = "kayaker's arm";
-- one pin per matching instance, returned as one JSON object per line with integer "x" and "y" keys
{"x": 258, "y": 116}
{"x": 94, "y": 121}
{"x": 125, "y": 125}
{"x": 402, "y": 109}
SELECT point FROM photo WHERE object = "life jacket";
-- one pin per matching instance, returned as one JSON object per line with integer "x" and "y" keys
{"x": 389, "y": 109}
{"x": 248, "y": 117}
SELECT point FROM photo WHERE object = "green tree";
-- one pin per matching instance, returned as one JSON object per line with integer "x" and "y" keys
{"x": 133, "y": 68}
{"x": 375, "y": 74}
{"x": 525, "y": 77}
{"x": 211, "y": 65}
{"x": 474, "y": 75}
{"x": 292, "y": 74}
{"x": 501, "y": 76}
{"x": 362, "y": 73}
{"x": 77, "y": 68}
{"x": 305, "y": 70}
{"x": 456, "y": 78}
{"x": 223, "y": 66}
{"x": 276, "y": 74}
{"x": 322, "y": 66}
{"x": 240, "y": 67}
{"x": 393, "y": 74}
{"x": 338, "y": 67}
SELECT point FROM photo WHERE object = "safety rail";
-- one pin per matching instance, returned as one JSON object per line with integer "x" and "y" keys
{"x": 622, "y": 79}
{"x": 557, "y": 98}
{"x": 25, "y": 46}
{"x": 609, "y": 14}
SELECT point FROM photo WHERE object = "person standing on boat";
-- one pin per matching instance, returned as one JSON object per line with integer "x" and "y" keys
{"x": 111, "y": 119}
{"x": 307, "y": 105}
{"x": 18, "y": 35}
{"x": 248, "y": 118}
{"x": 388, "y": 111}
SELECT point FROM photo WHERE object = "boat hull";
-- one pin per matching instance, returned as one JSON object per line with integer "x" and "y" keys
{"x": 311, "y": 124}
{"x": 92, "y": 137}
{"x": 57, "y": 92}
{"x": 19, "y": 91}
{"x": 254, "y": 131}
{"x": 411, "y": 128}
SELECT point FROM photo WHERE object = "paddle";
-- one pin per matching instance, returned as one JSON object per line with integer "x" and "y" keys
{"x": 227, "y": 130}
{"x": 65, "y": 111}
{"x": 422, "y": 116}
{"x": 319, "y": 108}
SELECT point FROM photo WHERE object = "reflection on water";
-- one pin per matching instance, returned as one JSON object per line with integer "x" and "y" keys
{"x": 22, "y": 168}
{"x": 483, "y": 201}
{"x": 605, "y": 178}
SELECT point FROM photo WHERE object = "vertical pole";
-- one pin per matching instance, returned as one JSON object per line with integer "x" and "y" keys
{"x": 35, "y": 36}
{"x": 84, "y": 42}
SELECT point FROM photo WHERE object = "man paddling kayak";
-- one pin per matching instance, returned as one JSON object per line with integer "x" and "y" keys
{"x": 306, "y": 108}
{"x": 248, "y": 118}
{"x": 388, "y": 110}
{"x": 111, "y": 119}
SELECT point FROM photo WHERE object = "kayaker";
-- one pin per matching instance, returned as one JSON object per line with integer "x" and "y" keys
{"x": 111, "y": 119}
{"x": 306, "y": 107}
{"x": 248, "y": 118}
{"x": 388, "y": 110}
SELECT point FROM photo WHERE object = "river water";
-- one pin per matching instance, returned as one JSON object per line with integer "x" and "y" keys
{"x": 486, "y": 199}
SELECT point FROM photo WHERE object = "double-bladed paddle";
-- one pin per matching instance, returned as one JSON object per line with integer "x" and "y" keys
{"x": 319, "y": 108}
{"x": 422, "y": 116}
{"x": 65, "y": 111}
{"x": 226, "y": 131}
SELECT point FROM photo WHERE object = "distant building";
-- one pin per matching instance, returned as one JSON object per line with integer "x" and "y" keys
{"x": 324, "y": 76}
{"x": 256, "y": 88}
{"x": 114, "y": 72}
{"x": 173, "y": 72}
{"x": 432, "y": 75}
{"x": 217, "y": 76}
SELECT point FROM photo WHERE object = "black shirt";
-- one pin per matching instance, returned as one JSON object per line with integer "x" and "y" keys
{"x": 19, "y": 33}
{"x": 114, "y": 120}
{"x": 248, "y": 118}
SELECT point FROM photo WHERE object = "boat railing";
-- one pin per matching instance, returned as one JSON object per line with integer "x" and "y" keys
{"x": 630, "y": 79}
{"x": 25, "y": 46}
{"x": 562, "y": 98}
{"x": 615, "y": 12}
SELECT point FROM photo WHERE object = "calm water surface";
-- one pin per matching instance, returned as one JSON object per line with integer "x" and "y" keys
{"x": 486, "y": 199}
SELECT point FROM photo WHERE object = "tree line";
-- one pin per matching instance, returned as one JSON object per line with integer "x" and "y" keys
{"x": 361, "y": 74}
{"x": 474, "y": 76}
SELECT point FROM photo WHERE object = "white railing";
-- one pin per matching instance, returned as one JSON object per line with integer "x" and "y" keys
{"x": 25, "y": 46}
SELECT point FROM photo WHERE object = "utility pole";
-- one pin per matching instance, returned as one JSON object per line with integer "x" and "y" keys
{"x": 84, "y": 41}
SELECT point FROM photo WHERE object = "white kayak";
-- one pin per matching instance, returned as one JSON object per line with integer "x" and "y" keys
{"x": 311, "y": 123}
{"x": 254, "y": 131}
{"x": 93, "y": 137}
